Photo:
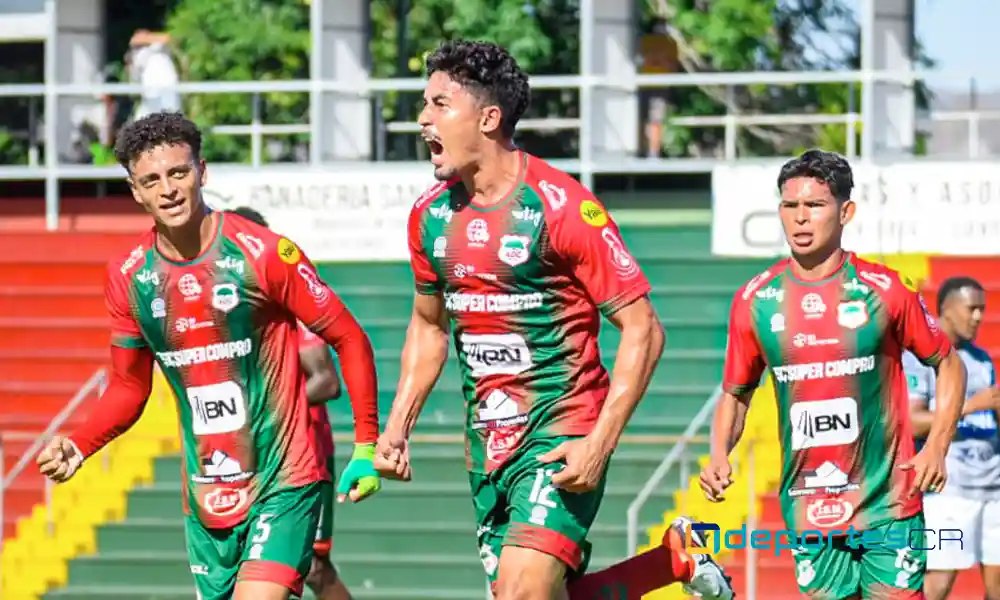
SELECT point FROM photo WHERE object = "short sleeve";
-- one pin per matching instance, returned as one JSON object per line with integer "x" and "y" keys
{"x": 589, "y": 240}
{"x": 918, "y": 378}
{"x": 917, "y": 329}
{"x": 425, "y": 277}
{"x": 745, "y": 363}
{"x": 125, "y": 332}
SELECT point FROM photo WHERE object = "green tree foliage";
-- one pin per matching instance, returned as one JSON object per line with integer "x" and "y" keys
{"x": 242, "y": 40}
{"x": 269, "y": 39}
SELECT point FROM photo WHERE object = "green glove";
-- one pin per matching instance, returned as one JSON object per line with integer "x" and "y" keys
{"x": 360, "y": 473}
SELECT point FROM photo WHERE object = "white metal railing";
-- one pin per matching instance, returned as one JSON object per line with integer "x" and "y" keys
{"x": 588, "y": 163}
{"x": 673, "y": 457}
{"x": 97, "y": 382}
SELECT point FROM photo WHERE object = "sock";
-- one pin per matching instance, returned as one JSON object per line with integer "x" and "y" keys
{"x": 636, "y": 576}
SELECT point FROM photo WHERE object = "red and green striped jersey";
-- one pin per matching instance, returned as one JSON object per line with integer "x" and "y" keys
{"x": 524, "y": 282}
{"x": 834, "y": 349}
{"x": 223, "y": 331}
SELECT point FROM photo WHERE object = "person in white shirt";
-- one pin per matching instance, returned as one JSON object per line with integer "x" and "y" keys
{"x": 970, "y": 501}
{"x": 150, "y": 64}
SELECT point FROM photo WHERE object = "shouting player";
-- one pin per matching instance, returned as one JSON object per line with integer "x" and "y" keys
{"x": 322, "y": 385}
{"x": 831, "y": 328}
{"x": 970, "y": 502}
{"x": 213, "y": 299}
{"x": 521, "y": 261}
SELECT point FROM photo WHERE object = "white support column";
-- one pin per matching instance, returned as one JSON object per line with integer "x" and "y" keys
{"x": 890, "y": 108}
{"x": 79, "y": 60}
{"x": 615, "y": 115}
{"x": 345, "y": 121}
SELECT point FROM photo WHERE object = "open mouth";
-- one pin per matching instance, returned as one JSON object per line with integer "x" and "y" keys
{"x": 802, "y": 239}
{"x": 172, "y": 205}
{"x": 435, "y": 146}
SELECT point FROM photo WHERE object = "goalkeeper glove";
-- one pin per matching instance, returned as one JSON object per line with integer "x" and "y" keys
{"x": 360, "y": 474}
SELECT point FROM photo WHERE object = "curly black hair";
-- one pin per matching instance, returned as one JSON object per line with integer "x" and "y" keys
{"x": 156, "y": 129}
{"x": 250, "y": 214}
{"x": 953, "y": 285}
{"x": 828, "y": 167}
{"x": 489, "y": 72}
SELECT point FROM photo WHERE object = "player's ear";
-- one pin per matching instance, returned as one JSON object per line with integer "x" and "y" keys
{"x": 202, "y": 172}
{"x": 847, "y": 208}
{"x": 135, "y": 192}
{"x": 489, "y": 120}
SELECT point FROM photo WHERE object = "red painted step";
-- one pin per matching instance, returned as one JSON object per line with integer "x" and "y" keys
{"x": 34, "y": 247}
{"x": 985, "y": 269}
{"x": 35, "y": 397}
{"x": 40, "y": 369}
{"x": 54, "y": 334}
{"x": 48, "y": 301}
{"x": 52, "y": 273}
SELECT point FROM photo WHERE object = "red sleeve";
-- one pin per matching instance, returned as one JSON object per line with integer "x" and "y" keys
{"x": 291, "y": 281}
{"x": 123, "y": 401}
{"x": 916, "y": 328}
{"x": 589, "y": 240}
{"x": 744, "y": 359}
{"x": 425, "y": 277}
{"x": 124, "y": 329}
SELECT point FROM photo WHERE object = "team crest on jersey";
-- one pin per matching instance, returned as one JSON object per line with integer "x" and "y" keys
{"x": 225, "y": 297}
{"x": 514, "y": 249}
{"x": 852, "y": 314}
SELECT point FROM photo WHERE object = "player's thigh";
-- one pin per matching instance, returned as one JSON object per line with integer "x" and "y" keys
{"x": 279, "y": 545}
{"x": 961, "y": 516}
{"x": 214, "y": 558}
{"x": 827, "y": 571}
{"x": 896, "y": 569}
{"x": 324, "y": 530}
{"x": 489, "y": 506}
{"x": 544, "y": 518}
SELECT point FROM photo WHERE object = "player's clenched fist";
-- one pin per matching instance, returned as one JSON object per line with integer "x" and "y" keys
{"x": 60, "y": 459}
{"x": 392, "y": 457}
{"x": 715, "y": 478}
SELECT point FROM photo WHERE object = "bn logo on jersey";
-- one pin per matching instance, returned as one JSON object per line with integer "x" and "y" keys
{"x": 217, "y": 408}
{"x": 824, "y": 423}
{"x": 496, "y": 354}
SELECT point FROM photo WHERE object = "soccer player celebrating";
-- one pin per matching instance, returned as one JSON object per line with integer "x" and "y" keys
{"x": 831, "y": 328}
{"x": 970, "y": 502}
{"x": 322, "y": 385}
{"x": 214, "y": 299}
{"x": 521, "y": 261}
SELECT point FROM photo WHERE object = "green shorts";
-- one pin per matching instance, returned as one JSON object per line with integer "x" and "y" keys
{"x": 273, "y": 544}
{"x": 324, "y": 531}
{"x": 516, "y": 505}
{"x": 836, "y": 570}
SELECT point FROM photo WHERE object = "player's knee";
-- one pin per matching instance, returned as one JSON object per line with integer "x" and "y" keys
{"x": 321, "y": 573}
{"x": 527, "y": 574}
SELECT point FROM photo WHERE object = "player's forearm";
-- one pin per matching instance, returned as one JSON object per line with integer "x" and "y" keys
{"x": 985, "y": 400}
{"x": 357, "y": 361}
{"x": 121, "y": 405}
{"x": 639, "y": 352}
{"x": 948, "y": 400}
{"x": 727, "y": 424}
{"x": 424, "y": 356}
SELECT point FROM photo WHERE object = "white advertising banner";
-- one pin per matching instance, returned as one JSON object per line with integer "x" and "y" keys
{"x": 358, "y": 215}
{"x": 918, "y": 207}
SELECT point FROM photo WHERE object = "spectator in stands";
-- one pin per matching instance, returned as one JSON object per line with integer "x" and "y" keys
{"x": 658, "y": 54}
{"x": 970, "y": 500}
{"x": 150, "y": 64}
